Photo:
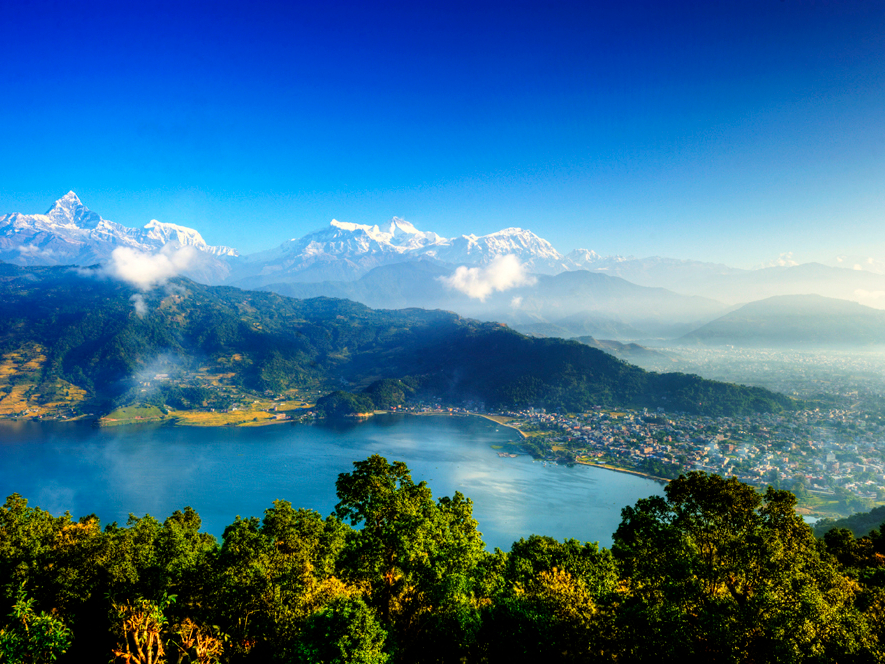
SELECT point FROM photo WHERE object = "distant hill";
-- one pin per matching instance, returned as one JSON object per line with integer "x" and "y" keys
{"x": 109, "y": 340}
{"x": 795, "y": 321}
{"x": 569, "y": 304}
{"x": 628, "y": 352}
{"x": 736, "y": 286}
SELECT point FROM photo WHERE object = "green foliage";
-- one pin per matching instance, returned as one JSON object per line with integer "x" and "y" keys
{"x": 551, "y": 604}
{"x": 415, "y": 556}
{"x": 32, "y": 637}
{"x": 344, "y": 404}
{"x": 345, "y": 632}
{"x": 715, "y": 568}
{"x": 860, "y": 524}
{"x": 388, "y": 392}
{"x": 270, "y": 575}
{"x": 712, "y": 571}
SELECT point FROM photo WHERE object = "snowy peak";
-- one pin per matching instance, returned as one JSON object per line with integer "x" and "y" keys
{"x": 343, "y": 239}
{"x": 363, "y": 247}
{"x": 352, "y": 228}
{"x": 402, "y": 227}
{"x": 583, "y": 255}
{"x": 69, "y": 211}
{"x": 71, "y": 234}
{"x": 165, "y": 233}
{"x": 535, "y": 252}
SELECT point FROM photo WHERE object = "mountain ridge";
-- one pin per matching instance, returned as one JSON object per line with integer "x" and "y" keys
{"x": 86, "y": 333}
{"x": 70, "y": 233}
{"x": 807, "y": 320}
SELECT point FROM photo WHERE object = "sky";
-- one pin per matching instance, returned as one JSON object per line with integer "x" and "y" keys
{"x": 741, "y": 132}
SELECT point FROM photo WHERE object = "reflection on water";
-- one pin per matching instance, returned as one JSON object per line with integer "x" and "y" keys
{"x": 226, "y": 471}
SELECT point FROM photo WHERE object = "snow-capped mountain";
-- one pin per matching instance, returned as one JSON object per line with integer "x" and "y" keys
{"x": 161, "y": 233}
{"x": 342, "y": 239}
{"x": 341, "y": 251}
{"x": 536, "y": 253}
{"x": 69, "y": 233}
{"x": 345, "y": 251}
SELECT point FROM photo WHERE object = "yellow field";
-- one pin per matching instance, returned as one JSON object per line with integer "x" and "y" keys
{"x": 21, "y": 390}
{"x": 237, "y": 418}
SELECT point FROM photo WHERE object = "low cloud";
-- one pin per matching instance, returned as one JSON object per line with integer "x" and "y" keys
{"x": 503, "y": 273}
{"x": 140, "y": 305}
{"x": 33, "y": 251}
{"x": 860, "y": 262}
{"x": 146, "y": 271}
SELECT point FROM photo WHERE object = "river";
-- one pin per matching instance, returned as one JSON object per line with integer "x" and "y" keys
{"x": 227, "y": 471}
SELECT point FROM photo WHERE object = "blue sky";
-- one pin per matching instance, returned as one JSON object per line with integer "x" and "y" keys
{"x": 723, "y": 131}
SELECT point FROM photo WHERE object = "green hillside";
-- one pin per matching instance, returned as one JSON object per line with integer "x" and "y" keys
{"x": 192, "y": 346}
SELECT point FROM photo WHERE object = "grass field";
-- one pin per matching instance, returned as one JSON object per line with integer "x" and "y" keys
{"x": 133, "y": 415}
{"x": 257, "y": 414}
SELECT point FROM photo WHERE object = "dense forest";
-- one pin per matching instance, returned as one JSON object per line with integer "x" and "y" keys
{"x": 712, "y": 571}
{"x": 98, "y": 336}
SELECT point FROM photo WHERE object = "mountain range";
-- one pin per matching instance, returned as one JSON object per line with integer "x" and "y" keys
{"x": 539, "y": 291}
{"x": 69, "y": 233}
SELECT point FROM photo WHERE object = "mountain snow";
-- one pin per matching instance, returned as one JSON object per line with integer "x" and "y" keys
{"x": 69, "y": 233}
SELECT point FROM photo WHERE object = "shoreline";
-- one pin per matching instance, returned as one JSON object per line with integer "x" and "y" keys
{"x": 662, "y": 480}
{"x": 503, "y": 424}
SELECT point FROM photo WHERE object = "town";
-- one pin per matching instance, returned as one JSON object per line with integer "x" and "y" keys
{"x": 833, "y": 460}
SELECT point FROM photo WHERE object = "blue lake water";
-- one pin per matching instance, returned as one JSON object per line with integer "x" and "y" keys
{"x": 227, "y": 471}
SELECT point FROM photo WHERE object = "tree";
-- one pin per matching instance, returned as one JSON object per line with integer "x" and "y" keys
{"x": 416, "y": 557}
{"x": 716, "y": 570}
{"x": 553, "y": 603}
{"x": 142, "y": 625}
{"x": 270, "y": 575}
{"x": 345, "y": 632}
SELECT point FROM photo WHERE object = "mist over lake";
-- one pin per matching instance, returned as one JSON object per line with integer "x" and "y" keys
{"x": 229, "y": 471}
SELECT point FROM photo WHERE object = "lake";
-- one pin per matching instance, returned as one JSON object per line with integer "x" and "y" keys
{"x": 227, "y": 471}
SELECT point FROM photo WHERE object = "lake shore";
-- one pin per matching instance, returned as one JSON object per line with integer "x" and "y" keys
{"x": 662, "y": 480}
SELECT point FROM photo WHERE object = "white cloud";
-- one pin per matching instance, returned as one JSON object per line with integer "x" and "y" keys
{"x": 146, "y": 271}
{"x": 503, "y": 273}
{"x": 139, "y": 304}
{"x": 865, "y": 263}
{"x": 33, "y": 251}
{"x": 516, "y": 302}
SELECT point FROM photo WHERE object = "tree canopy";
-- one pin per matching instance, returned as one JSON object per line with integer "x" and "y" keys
{"x": 711, "y": 571}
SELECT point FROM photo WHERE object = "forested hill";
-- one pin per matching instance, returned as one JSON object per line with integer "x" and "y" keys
{"x": 102, "y": 337}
